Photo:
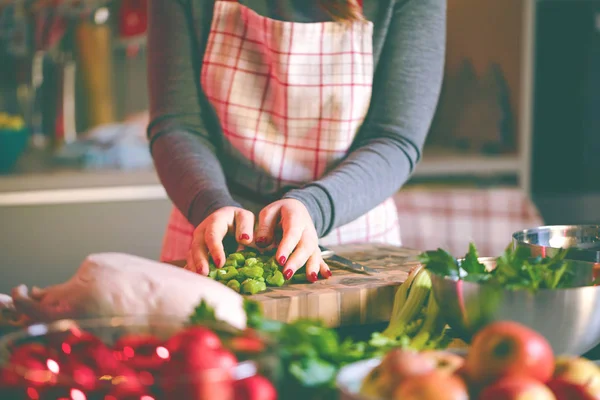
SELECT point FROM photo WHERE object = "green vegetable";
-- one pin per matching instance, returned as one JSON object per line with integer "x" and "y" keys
{"x": 515, "y": 269}
{"x": 203, "y": 313}
{"x": 402, "y": 292}
{"x": 238, "y": 258}
{"x": 253, "y": 286}
{"x": 233, "y": 284}
{"x": 248, "y": 254}
{"x": 312, "y": 354}
{"x": 250, "y": 265}
{"x": 270, "y": 265}
{"x": 417, "y": 296}
{"x": 251, "y": 262}
{"x": 300, "y": 275}
{"x": 276, "y": 279}
{"x": 251, "y": 272}
{"x": 433, "y": 325}
{"x": 226, "y": 273}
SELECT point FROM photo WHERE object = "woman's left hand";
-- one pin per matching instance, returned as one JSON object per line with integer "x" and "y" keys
{"x": 299, "y": 242}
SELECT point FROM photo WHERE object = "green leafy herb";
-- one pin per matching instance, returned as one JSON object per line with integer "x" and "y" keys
{"x": 311, "y": 353}
{"x": 440, "y": 262}
{"x": 515, "y": 269}
{"x": 203, "y": 313}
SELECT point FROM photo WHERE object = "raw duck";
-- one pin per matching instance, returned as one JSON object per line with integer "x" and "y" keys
{"x": 118, "y": 284}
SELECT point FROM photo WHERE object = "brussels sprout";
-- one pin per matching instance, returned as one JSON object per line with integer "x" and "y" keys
{"x": 251, "y": 272}
{"x": 233, "y": 284}
{"x": 276, "y": 279}
{"x": 253, "y": 286}
{"x": 226, "y": 273}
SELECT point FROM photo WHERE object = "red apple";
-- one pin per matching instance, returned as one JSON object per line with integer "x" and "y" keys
{"x": 404, "y": 364}
{"x": 566, "y": 390}
{"x": 396, "y": 366}
{"x": 433, "y": 386}
{"x": 579, "y": 371}
{"x": 446, "y": 362}
{"x": 256, "y": 387}
{"x": 517, "y": 388}
{"x": 508, "y": 348}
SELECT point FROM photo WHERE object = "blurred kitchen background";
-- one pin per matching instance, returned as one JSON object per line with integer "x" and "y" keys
{"x": 514, "y": 144}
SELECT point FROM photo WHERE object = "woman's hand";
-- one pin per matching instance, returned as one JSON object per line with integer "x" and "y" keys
{"x": 299, "y": 242}
{"x": 208, "y": 237}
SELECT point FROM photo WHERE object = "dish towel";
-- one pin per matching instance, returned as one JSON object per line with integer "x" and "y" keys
{"x": 112, "y": 146}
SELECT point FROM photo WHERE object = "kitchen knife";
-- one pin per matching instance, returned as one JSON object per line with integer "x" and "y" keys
{"x": 344, "y": 263}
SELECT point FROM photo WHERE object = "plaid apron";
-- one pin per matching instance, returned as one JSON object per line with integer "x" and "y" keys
{"x": 290, "y": 98}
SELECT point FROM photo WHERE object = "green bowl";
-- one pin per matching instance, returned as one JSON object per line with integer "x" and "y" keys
{"x": 12, "y": 145}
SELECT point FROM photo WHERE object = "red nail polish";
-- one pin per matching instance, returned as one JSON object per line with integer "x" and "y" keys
{"x": 244, "y": 236}
{"x": 327, "y": 273}
{"x": 217, "y": 262}
{"x": 261, "y": 239}
{"x": 282, "y": 260}
{"x": 287, "y": 274}
{"x": 313, "y": 277}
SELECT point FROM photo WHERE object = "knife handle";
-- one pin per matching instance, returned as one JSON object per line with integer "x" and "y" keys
{"x": 325, "y": 252}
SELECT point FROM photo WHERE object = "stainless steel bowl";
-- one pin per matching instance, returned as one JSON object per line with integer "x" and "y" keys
{"x": 583, "y": 241}
{"x": 568, "y": 318}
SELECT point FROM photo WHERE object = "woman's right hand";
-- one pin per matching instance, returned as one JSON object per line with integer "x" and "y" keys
{"x": 208, "y": 237}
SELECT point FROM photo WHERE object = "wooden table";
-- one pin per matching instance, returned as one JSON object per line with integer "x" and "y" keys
{"x": 347, "y": 298}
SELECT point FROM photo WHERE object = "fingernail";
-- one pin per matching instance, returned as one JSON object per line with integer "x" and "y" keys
{"x": 217, "y": 262}
{"x": 261, "y": 241}
{"x": 327, "y": 274}
{"x": 287, "y": 274}
{"x": 313, "y": 277}
{"x": 282, "y": 260}
{"x": 244, "y": 236}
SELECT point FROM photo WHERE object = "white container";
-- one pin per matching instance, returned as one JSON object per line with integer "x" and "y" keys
{"x": 351, "y": 377}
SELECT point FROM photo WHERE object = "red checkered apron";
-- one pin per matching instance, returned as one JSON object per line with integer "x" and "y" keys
{"x": 290, "y": 98}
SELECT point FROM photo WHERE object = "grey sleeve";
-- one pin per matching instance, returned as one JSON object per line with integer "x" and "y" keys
{"x": 185, "y": 157}
{"x": 406, "y": 89}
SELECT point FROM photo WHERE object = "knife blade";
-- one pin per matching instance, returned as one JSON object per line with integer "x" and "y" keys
{"x": 344, "y": 263}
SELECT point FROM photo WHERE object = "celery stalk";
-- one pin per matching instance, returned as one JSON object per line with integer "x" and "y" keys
{"x": 429, "y": 326}
{"x": 417, "y": 296}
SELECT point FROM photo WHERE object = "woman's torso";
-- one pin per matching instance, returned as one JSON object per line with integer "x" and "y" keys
{"x": 287, "y": 91}
{"x": 262, "y": 174}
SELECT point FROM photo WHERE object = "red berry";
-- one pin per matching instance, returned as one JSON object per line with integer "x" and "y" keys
{"x": 141, "y": 352}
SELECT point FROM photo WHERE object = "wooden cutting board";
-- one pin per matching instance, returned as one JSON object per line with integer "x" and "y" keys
{"x": 347, "y": 298}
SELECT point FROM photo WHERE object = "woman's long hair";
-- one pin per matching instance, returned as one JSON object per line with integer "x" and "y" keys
{"x": 343, "y": 10}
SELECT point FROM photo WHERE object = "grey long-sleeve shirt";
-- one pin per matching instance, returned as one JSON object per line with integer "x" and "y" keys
{"x": 185, "y": 135}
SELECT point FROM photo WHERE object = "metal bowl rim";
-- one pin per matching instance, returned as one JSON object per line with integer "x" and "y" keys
{"x": 549, "y": 227}
{"x": 539, "y": 291}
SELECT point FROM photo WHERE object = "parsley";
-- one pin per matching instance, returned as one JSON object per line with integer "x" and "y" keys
{"x": 515, "y": 269}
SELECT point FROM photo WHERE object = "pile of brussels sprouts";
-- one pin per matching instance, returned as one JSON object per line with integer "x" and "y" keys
{"x": 247, "y": 272}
